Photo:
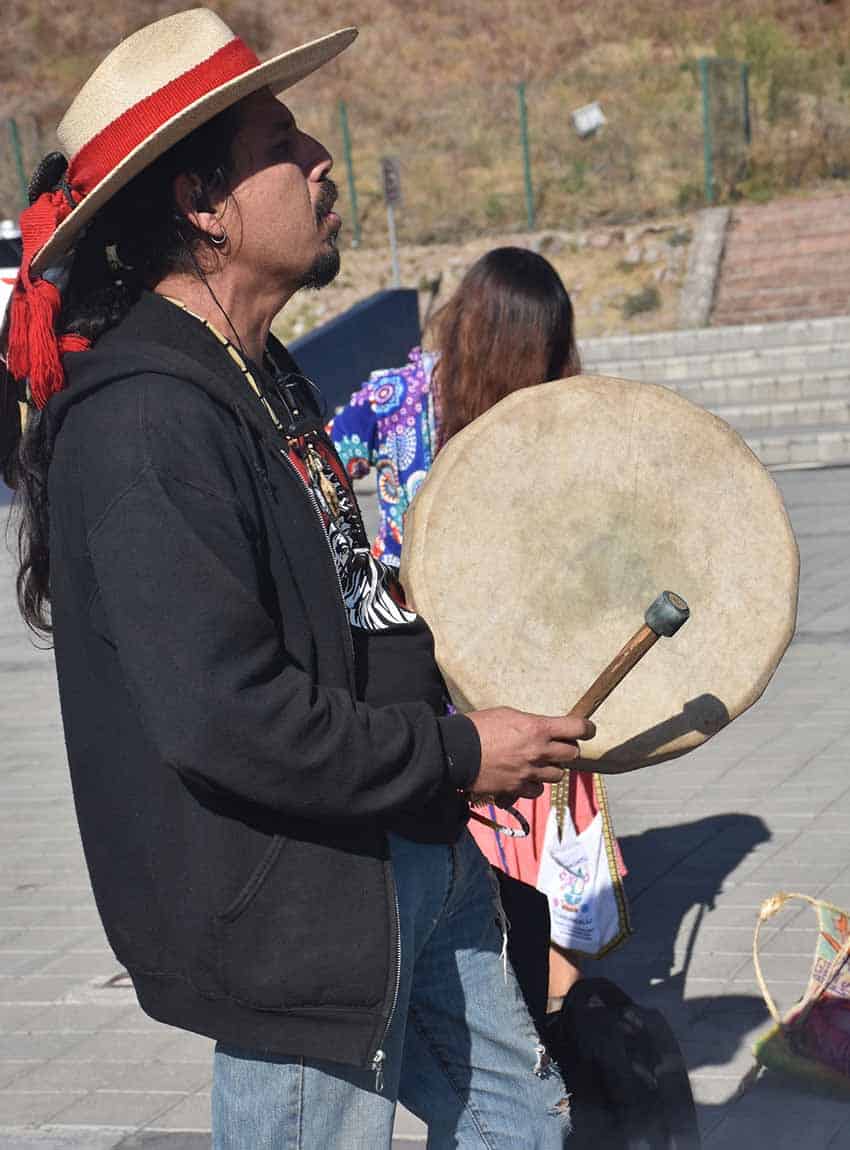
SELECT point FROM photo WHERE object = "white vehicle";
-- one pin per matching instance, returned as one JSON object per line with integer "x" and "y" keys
{"x": 10, "y": 256}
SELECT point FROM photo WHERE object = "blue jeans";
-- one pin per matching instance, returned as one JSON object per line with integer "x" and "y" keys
{"x": 461, "y": 1053}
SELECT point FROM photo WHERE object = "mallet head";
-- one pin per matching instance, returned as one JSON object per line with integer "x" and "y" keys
{"x": 666, "y": 614}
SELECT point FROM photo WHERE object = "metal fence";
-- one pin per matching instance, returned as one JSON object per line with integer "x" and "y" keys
{"x": 506, "y": 157}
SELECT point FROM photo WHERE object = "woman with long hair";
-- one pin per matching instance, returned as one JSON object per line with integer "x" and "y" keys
{"x": 509, "y": 325}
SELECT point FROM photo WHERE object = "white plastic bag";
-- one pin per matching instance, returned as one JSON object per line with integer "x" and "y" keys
{"x": 579, "y": 876}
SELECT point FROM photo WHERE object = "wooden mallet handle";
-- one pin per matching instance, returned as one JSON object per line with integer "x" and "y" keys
{"x": 664, "y": 616}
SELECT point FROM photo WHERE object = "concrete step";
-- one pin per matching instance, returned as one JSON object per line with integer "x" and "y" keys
{"x": 803, "y": 359}
{"x": 802, "y": 446}
{"x": 783, "y": 387}
{"x": 753, "y": 417}
{"x": 713, "y": 340}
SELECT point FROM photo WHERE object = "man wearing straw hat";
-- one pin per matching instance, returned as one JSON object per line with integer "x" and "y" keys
{"x": 266, "y": 782}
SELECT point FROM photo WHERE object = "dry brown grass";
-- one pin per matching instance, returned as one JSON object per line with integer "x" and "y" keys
{"x": 436, "y": 85}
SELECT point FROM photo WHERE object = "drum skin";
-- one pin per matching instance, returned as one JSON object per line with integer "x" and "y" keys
{"x": 546, "y": 528}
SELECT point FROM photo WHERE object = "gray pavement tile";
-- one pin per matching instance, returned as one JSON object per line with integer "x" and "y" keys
{"x": 799, "y": 876}
{"x": 24, "y": 961}
{"x": 837, "y": 893}
{"x": 122, "y": 1046}
{"x": 712, "y": 1090}
{"x": 791, "y": 941}
{"x": 137, "y": 1022}
{"x": 720, "y": 1038}
{"x": 708, "y": 1117}
{"x": 105, "y": 1108}
{"x": 36, "y": 988}
{"x": 787, "y": 1095}
{"x": 47, "y": 1045}
{"x": 746, "y": 1011}
{"x": 186, "y": 1047}
{"x": 86, "y": 964}
{"x": 61, "y": 1076}
{"x": 192, "y": 1114}
{"x": 780, "y": 968}
{"x": 746, "y": 896}
{"x": 14, "y": 1017}
{"x": 11, "y": 1069}
{"x": 9, "y": 937}
{"x": 719, "y": 1059}
{"x": 84, "y": 916}
{"x": 841, "y": 1138}
{"x": 30, "y": 1109}
{"x": 50, "y": 939}
{"x": 87, "y": 1018}
{"x": 726, "y": 940}
{"x": 408, "y": 1125}
{"x": 179, "y": 1077}
{"x": 58, "y": 1138}
{"x": 163, "y": 1140}
{"x": 713, "y": 967}
{"x": 772, "y": 1130}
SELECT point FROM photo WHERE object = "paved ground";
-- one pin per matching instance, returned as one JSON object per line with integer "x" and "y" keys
{"x": 764, "y": 806}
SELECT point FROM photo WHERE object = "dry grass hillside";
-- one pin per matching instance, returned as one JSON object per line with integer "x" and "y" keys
{"x": 436, "y": 85}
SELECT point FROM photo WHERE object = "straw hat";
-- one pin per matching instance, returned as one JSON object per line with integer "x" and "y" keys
{"x": 156, "y": 87}
{"x": 153, "y": 89}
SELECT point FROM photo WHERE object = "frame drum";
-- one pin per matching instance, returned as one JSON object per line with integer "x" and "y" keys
{"x": 547, "y": 526}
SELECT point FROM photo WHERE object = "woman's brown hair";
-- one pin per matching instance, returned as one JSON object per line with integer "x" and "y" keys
{"x": 509, "y": 325}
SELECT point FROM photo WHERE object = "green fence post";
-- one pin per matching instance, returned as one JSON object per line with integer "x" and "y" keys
{"x": 526, "y": 157}
{"x": 19, "y": 161}
{"x": 708, "y": 150}
{"x": 352, "y": 187}
{"x": 745, "y": 103}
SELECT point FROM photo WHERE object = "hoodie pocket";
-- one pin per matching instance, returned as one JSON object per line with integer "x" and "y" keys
{"x": 252, "y": 887}
{"x": 309, "y": 929}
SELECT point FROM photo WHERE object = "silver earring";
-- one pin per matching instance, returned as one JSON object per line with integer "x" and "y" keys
{"x": 218, "y": 241}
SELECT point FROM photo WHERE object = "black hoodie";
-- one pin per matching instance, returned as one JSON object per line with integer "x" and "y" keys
{"x": 232, "y": 787}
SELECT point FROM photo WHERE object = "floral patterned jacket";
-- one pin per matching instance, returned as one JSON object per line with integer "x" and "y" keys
{"x": 390, "y": 425}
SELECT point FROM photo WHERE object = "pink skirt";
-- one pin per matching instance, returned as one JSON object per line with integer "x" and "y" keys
{"x": 520, "y": 858}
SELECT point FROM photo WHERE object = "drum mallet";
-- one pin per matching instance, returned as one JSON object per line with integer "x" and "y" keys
{"x": 664, "y": 616}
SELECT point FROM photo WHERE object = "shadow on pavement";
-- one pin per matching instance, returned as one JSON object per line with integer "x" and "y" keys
{"x": 675, "y": 875}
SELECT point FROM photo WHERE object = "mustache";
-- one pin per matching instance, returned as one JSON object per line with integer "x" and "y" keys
{"x": 326, "y": 199}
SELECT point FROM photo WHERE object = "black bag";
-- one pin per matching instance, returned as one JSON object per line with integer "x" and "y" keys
{"x": 625, "y": 1073}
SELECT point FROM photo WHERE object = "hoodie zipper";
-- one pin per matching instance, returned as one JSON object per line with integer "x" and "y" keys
{"x": 379, "y": 1059}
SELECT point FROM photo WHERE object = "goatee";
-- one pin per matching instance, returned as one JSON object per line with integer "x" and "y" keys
{"x": 325, "y": 268}
{"x": 326, "y": 265}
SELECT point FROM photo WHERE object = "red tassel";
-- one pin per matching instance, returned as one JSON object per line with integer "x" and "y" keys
{"x": 33, "y": 350}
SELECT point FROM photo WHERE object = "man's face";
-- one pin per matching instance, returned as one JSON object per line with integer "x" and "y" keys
{"x": 279, "y": 216}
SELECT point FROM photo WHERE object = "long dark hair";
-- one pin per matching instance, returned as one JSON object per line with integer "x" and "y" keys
{"x": 508, "y": 325}
{"x": 137, "y": 238}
